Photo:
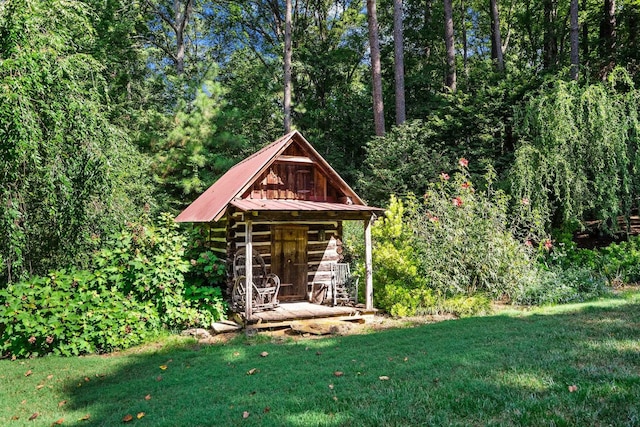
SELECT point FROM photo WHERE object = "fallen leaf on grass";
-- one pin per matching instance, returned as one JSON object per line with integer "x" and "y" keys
{"x": 62, "y": 403}
{"x": 49, "y": 377}
{"x": 140, "y": 415}
{"x": 147, "y": 397}
{"x": 383, "y": 378}
{"x": 58, "y": 422}
{"x": 87, "y": 379}
{"x": 159, "y": 378}
{"x": 127, "y": 418}
{"x": 267, "y": 409}
{"x": 163, "y": 367}
{"x": 23, "y": 402}
{"x": 406, "y": 358}
{"x": 338, "y": 373}
{"x": 252, "y": 371}
{"x": 331, "y": 386}
{"x": 573, "y": 388}
{"x": 264, "y": 354}
{"x": 84, "y": 417}
{"x": 34, "y": 416}
{"x": 335, "y": 398}
{"x": 39, "y": 386}
{"x": 245, "y": 414}
{"x": 318, "y": 353}
{"x": 236, "y": 353}
{"x": 15, "y": 418}
{"x": 29, "y": 372}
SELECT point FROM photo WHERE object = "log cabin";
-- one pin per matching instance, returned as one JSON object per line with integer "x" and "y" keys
{"x": 288, "y": 204}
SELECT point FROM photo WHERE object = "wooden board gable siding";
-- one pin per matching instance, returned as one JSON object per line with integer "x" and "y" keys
{"x": 293, "y": 181}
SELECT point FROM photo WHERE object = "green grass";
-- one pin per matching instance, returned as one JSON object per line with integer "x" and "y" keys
{"x": 509, "y": 369}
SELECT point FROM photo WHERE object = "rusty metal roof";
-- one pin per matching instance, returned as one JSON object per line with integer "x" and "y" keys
{"x": 247, "y": 205}
{"x": 212, "y": 204}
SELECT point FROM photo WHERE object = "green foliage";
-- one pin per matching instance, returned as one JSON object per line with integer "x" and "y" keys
{"x": 561, "y": 286}
{"x": 454, "y": 252}
{"x": 70, "y": 313}
{"x": 578, "y": 157}
{"x": 67, "y": 173}
{"x": 465, "y": 241}
{"x": 619, "y": 263}
{"x": 136, "y": 289}
{"x": 196, "y": 151}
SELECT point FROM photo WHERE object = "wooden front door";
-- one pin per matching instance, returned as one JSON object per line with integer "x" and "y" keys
{"x": 289, "y": 260}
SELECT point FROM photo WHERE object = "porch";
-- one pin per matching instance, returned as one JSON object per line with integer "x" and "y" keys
{"x": 301, "y": 310}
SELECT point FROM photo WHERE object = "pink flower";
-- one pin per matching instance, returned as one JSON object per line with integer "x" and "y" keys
{"x": 548, "y": 245}
{"x": 49, "y": 339}
{"x": 433, "y": 218}
{"x": 524, "y": 201}
{"x": 457, "y": 201}
{"x": 463, "y": 162}
{"x": 528, "y": 243}
{"x": 466, "y": 184}
{"x": 444, "y": 176}
{"x": 32, "y": 340}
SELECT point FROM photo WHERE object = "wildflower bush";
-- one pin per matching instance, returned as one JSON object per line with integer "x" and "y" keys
{"x": 136, "y": 290}
{"x": 454, "y": 251}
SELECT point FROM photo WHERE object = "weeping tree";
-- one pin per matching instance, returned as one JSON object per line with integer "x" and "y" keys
{"x": 67, "y": 174}
{"x": 578, "y": 155}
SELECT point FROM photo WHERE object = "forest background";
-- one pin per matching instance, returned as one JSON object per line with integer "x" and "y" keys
{"x": 114, "y": 111}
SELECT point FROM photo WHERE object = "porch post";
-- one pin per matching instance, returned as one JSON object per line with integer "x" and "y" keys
{"x": 368, "y": 264}
{"x": 248, "y": 269}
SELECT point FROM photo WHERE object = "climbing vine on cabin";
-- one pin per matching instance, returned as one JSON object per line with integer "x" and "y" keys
{"x": 578, "y": 157}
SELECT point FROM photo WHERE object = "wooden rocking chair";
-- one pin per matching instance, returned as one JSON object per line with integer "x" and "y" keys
{"x": 344, "y": 286}
{"x": 265, "y": 286}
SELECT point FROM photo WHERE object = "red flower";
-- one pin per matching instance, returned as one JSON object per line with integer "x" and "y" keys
{"x": 524, "y": 201}
{"x": 548, "y": 245}
{"x": 466, "y": 184}
{"x": 463, "y": 162}
{"x": 444, "y": 176}
{"x": 457, "y": 201}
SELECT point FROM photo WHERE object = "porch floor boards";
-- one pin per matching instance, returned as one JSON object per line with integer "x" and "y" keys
{"x": 303, "y": 310}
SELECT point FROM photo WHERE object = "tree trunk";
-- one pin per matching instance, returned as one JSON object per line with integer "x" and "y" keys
{"x": 398, "y": 50}
{"x": 585, "y": 36}
{"x": 608, "y": 36}
{"x": 465, "y": 44}
{"x": 376, "y": 73}
{"x": 182, "y": 12}
{"x": 496, "y": 37}
{"x": 451, "y": 78}
{"x": 550, "y": 52}
{"x": 287, "y": 68}
{"x": 575, "y": 55}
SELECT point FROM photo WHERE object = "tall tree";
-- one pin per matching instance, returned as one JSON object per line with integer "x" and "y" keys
{"x": 449, "y": 41}
{"x": 176, "y": 16}
{"x": 67, "y": 172}
{"x": 607, "y": 37}
{"x": 575, "y": 53}
{"x": 398, "y": 50}
{"x": 496, "y": 37}
{"x": 287, "y": 67}
{"x": 376, "y": 71}
{"x": 550, "y": 43}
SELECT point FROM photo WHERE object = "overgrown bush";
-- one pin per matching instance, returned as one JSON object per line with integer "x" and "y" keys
{"x": 454, "y": 252}
{"x": 561, "y": 286}
{"x": 136, "y": 289}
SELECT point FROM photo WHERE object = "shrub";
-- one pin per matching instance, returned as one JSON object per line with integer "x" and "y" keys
{"x": 71, "y": 313}
{"x": 136, "y": 289}
{"x": 561, "y": 286}
{"x": 465, "y": 241}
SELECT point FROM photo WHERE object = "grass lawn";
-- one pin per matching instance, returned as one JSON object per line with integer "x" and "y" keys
{"x": 516, "y": 368}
